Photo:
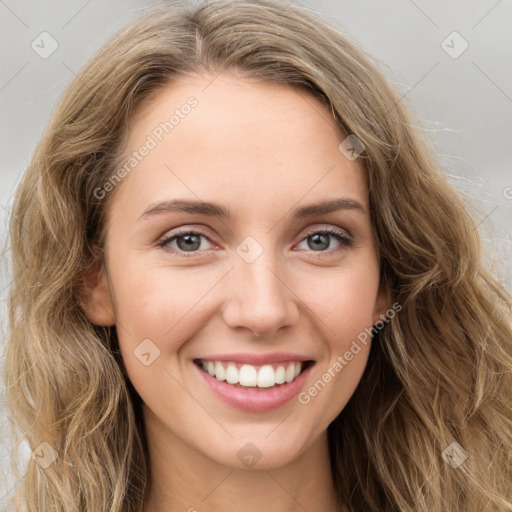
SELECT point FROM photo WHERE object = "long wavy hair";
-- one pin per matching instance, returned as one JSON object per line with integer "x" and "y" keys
{"x": 439, "y": 372}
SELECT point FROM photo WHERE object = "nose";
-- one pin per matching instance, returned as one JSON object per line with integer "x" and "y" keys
{"x": 259, "y": 298}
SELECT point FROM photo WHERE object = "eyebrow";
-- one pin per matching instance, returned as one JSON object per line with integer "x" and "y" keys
{"x": 216, "y": 210}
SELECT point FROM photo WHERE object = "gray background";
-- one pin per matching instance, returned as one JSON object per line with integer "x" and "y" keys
{"x": 463, "y": 104}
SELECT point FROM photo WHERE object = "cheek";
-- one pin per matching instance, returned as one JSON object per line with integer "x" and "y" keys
{"x": 344, "y": 301}
{"x": 154, "y": 315}
{"x": 344, "y": 306}
{"x": 159, "y": 304}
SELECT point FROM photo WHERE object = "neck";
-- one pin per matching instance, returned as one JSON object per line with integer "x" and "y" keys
{"x": 183, "y": 479}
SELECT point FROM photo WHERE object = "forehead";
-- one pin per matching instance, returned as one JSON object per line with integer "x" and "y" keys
{"x": 238, "y": 140}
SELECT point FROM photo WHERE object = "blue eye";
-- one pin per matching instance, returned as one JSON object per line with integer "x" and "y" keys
{"x": 188, "y": 243}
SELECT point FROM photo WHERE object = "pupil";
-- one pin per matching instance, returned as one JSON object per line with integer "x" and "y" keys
{"x": 318, "y": 238}
{"x": 192, "y": 242}
{"x": 189, "y": 242}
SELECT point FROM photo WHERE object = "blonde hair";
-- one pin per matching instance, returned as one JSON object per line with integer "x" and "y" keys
{"x": 439, "y": 372}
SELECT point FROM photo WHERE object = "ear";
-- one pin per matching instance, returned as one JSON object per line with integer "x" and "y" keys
{"x": 96, "y": 300}
{"x": 382, "y": 303}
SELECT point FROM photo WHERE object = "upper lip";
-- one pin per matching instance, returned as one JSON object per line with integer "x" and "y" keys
{"x": 258, "y": 359}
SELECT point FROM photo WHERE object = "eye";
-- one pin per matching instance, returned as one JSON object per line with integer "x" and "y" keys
{"x": 186, "y": 242}
{"x": 320, "y": 240}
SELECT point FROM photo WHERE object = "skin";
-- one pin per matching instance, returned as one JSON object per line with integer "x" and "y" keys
{"x": 262, "y": 150}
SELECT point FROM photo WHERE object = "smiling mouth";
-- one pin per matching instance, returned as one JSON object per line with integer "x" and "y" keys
{"x": 248, "y": 376}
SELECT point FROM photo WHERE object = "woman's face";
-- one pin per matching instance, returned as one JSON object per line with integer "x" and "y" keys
{"x": 218, "y": 252}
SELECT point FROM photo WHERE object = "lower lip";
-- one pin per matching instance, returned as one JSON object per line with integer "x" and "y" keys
{"x": 255, "y": 400}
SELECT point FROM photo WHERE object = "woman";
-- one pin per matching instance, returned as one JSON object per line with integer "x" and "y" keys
{"x": 242, "y": 282}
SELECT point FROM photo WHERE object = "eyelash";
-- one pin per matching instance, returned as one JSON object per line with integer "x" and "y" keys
{"x": 344, "y": 240}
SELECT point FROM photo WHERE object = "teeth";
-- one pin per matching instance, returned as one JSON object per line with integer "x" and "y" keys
{"x": 220, "y": 373}
{"x": 232, "y": 374}
{"x": 290, "y": 373}
{"x": 248, "y": 375}
{"x": 266, "y": 377}
{"x": 280, "y": 375}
